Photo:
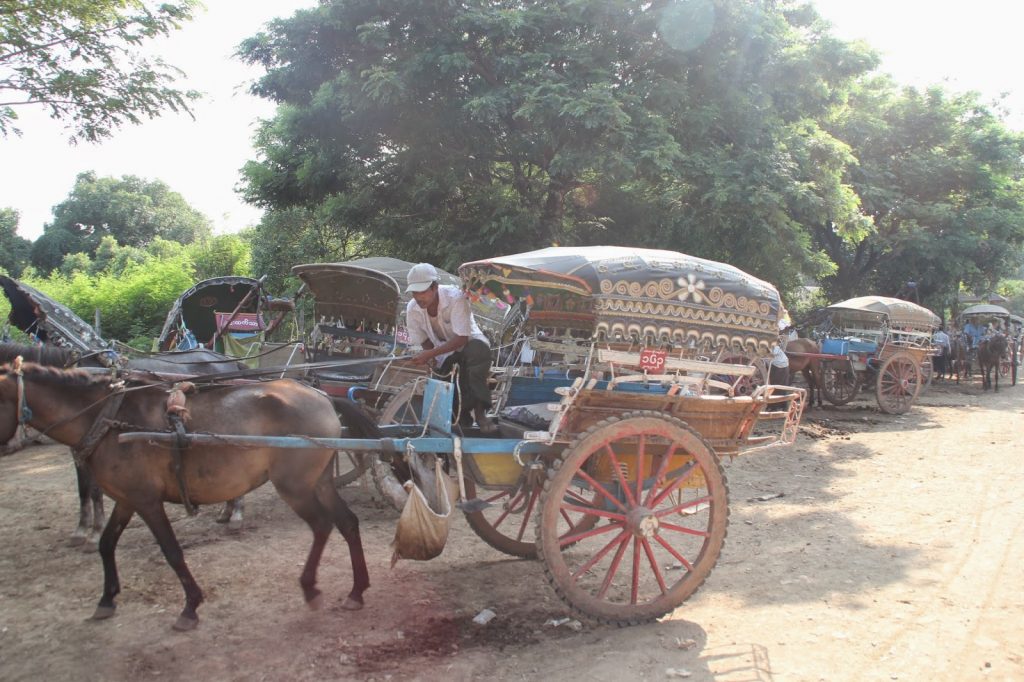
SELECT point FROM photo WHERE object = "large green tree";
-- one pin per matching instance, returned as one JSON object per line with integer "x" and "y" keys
{"x": 82, "y": 61}
{"x": 940, "y": 178}
{"x": 462, "y": 130}
{"x": 14, "y": 249}
{"x": 134, "y": 211}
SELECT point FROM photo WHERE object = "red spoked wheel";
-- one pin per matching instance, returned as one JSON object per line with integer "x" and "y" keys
{"x": 509, "y": 524}
{"x": 899, "y": 383}
{"x": 661, "y": 500}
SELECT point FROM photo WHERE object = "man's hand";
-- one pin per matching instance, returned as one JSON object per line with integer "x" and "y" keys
{"x": 423, "y": 358}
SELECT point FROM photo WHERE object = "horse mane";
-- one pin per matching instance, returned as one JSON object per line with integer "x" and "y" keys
{"x": 44, "y": 354}
{"x": 58, "y": 376}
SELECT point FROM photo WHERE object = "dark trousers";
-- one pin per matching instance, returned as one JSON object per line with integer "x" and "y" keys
{"x": 474, "y": 361}
{"x": 778, "y": 376}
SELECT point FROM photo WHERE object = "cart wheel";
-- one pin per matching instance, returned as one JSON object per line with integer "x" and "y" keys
{"x": 404, "y": 407}
{"x": 899, "y": 383}
{"x": 839, "y": 382}
{"x": 504, "y": 525}
{"x": 662, "y": 499}
{"x": 349, "y": 466}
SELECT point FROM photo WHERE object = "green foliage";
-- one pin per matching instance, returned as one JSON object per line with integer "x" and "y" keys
{"x": 222, "y": 255}
{"x": 131, "y": 210}
{"x": 939, "y": 176}
{"x": 295, "y": 236}
{"x": 14, "y": 250}
{"x": 82, "y": 60}
{"x": 454, "y": 131}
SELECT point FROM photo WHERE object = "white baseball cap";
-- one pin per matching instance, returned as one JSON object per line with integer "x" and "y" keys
{"x": 420, "y": 277}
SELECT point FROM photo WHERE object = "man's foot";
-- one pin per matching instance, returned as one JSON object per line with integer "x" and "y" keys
{"x": 487, "y": 427}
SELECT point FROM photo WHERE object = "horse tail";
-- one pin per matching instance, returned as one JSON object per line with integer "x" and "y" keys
{"x": 358, "y": 422}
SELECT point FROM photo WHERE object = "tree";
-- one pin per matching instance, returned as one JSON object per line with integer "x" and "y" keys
{"x": 132, "y": 210}
{"x": 940, "y": 178}
{"x": 293, "y": 236}
{"x": 14, "y": 250}
{"x": 454, "y": 131}
{"x": 80, "y": 60}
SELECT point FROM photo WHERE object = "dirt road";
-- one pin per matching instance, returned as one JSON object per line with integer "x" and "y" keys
{"x": 877, "y": 548}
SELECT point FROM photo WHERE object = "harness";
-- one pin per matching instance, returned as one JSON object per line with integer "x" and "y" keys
{"x": 177, "y": 417}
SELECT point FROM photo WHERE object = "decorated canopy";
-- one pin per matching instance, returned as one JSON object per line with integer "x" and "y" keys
{"x": 42, "y": 318}
{"x": 896, "y": 311}
{"x": 625, "y": 293}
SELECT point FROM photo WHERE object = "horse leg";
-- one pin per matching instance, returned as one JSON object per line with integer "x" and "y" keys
{"x": 119, "y": 518}
{"x": 96, "y": 497}
{"x": 316, "y": 516}
{"x": 158, "y": 523}
{"x": 232, "y": 514}
{"x": 84, "y": 479}
{"x": 348, "y": 525}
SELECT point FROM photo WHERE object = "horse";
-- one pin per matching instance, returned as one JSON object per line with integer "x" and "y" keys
{"x": 800, "y": 353}
{"x": 193, "y": 362}
{"x": 990, "y": 353}
{"x": 73, "y": 407}
{"x": 959, "y": 357}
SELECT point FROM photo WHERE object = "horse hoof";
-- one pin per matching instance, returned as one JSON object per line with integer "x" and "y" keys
{"x": 234, "y": 526}
{"x": 351, "y": 604}
{"x": 103, "y": 613}
{"x": 76, "y": 540}
{"x": 184, "y": 624}
{"x": 89, "y": 547}
{"x": 315, "y": 603}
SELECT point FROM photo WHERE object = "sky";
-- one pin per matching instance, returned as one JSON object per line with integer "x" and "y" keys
{"x": 966, "y": 46}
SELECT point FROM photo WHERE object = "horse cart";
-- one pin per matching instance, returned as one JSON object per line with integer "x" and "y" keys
{"x": 879, "y": 340}
{"x": 995, "y": 319}
{"x": 624, "y": 486}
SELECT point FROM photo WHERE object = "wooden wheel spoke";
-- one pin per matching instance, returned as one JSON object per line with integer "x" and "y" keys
{"x": 601, "y": 490}
{"x": 594, "y": 511}
{"x": 614, "y": 568}
{"x": 640, "y": 450}
{"x": 683, "y": 529}
{"x": 671, "y": 550}
{"x": 511, "y": 505}
{"x": 660, "y": 476}
{"x": 564, "y": 540}
{"x": 680, "y": 507}
{"x": 617, "y": 541}
{"x": 654, "y": 564}
{"x": 617, "y": 468}
{"x": 534, "y": 494}
{"x": 683, "y": 477}
{"x": 497, "y": 496}
{"x": 634, "y": 586}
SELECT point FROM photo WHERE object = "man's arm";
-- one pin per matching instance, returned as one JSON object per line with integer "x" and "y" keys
{"x": 430, "y": 352}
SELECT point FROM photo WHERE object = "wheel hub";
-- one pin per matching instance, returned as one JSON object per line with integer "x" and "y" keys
{"x": 642, "y": 522}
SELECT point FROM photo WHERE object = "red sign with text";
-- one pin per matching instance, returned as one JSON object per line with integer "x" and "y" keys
{"x": 653, "y": 361}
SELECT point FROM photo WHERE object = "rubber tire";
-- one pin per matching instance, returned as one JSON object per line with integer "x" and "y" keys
{"x": 561, "y": 477}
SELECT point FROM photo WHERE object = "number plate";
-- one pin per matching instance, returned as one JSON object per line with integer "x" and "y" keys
{"x": 653, "y": 361}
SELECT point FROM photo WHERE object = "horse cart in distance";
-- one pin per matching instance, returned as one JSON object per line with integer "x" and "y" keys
{"x": 996, "y": 321}
{"x": 876, "y": 339}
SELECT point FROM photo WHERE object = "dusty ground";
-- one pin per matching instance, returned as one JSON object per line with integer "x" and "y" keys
{"x": 883, "y": 548}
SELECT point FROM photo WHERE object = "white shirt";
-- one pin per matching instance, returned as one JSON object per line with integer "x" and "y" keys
{"x": 779, "y": 357}
{"x": 454, "y": 318}
{"x": 941, "y": 338}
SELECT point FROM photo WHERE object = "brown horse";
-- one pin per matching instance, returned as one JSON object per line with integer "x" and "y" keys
{"x": 799, "y": 352}
{"x": 140, "y": 477}
{"x": 990, "y": 354}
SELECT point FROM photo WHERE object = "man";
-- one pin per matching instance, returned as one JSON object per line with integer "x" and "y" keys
{"x": 440, "y": 320}
{"x": 941, "y": 340}
{"x": 973, "y": 332}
